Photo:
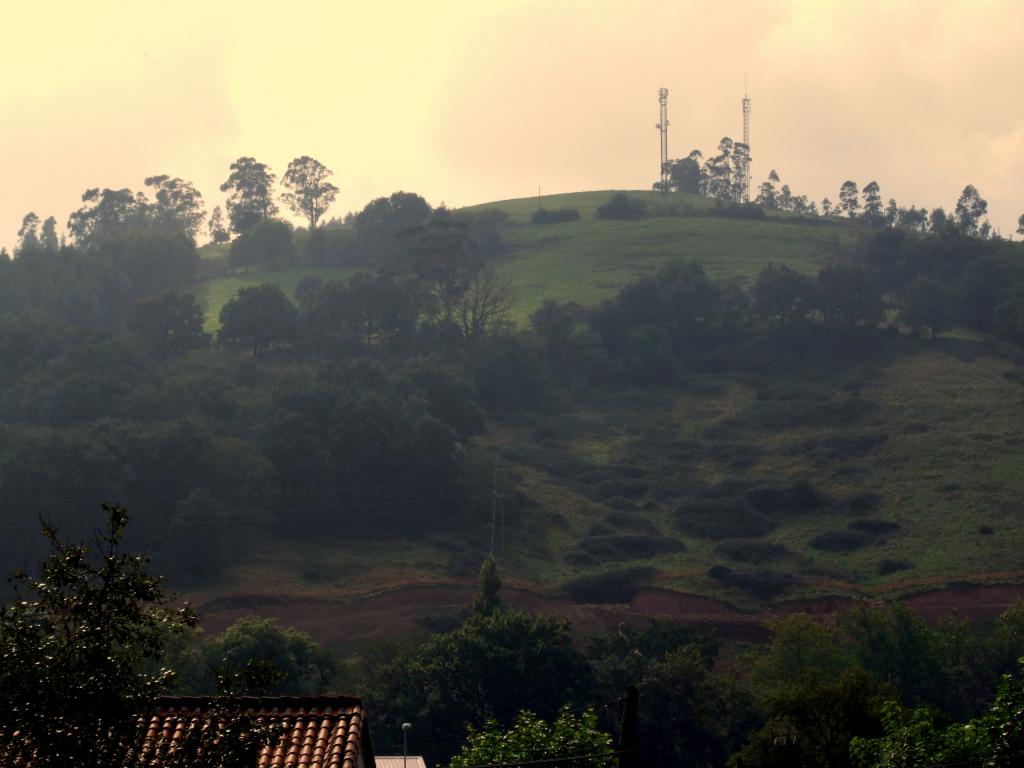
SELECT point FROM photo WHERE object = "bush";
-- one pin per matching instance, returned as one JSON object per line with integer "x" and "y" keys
{"x": 783, "y": 498}
{"x": 861, "y": 503}
{"x": 622, "y": 206}
{"x": 625, "y": 546}
{"x": 721, "y": 518}
{"x": 631, "y": 522}
{"x": 618, "y": 586}
{"x": 747, "y": 551}
{"x": 269, "y": 243}
{"x": 839, "y": 446}
{"x": 554, "y": 216}
{"x": 885, "y": 567}
{"x": 761, "y": 583}
{"x": 841, "y": 541}
{"x": 873, "y": 525}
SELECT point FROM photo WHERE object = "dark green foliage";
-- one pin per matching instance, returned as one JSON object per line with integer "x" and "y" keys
{"x": 782, "y": 297}
{"x": 268, "y": 243}
{"x": 747, "y": 551}
{"x": 622, "y": 206}
{"x": 781, "y": 498}
{"x": 837, "y": 447}
{"x": 781, "y": 415}
{"x": 380, "y": 223}
{"x": 508, "y": 376}
{"x": 721, "y": 518}
{"x": 615, "y": 586}
{"x": 927, "y": 305}
{"x": 623, "y": 546}
{"x": 762, "y": 583}
{"x": 251, "y": 197}
{"x": 73, "y": 644}
{"x": 256, "y": 319}
{"x": 887, "y": 566}
{"x": 298, "y": 664}
{"x": 532, "y": 739}
{"x": 554, "y": 216}
{"x": 841, "y": 541}
{"x": 490, "y": 668}
{"x": 487, "y": 599}
{"x": 871, "y": 525}
{"x": 849, "y": 297}
{"x": 169, "y": 325}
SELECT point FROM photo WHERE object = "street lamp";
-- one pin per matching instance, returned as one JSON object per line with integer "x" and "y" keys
{"x": 405, "y": 742}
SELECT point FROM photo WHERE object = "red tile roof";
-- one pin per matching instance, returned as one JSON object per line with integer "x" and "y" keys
{"x": 318, "y": 731}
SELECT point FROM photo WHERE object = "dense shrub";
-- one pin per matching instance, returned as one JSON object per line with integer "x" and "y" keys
{"x": 787, "y": 498}
{"x": 885, "y": 567}
{"x": 617, "y": 487}
{"x": 839, "y": 446}
{"x": 761, "y": 583}
{"x": 622, "y": 206}
{"x": 631, "y": 521}
{"x": 554, "y": 215}
{"x": 841, "y": 541}
{"x": 617, "y": 586}
{"x": 269, "y": 243}
{"x": 625, "y": 546}
{"x": 747, "y": 551}
{"x": 860, "y": 503}
{"x": 873, "y": 525}
{"x": 721, "y": 518}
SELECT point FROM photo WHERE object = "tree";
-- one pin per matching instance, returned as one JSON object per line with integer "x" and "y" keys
{"x": 532, "y": 739}
{"x": 217, "y": 231}
{"x": 826, "y": 207}
{"x": 554, "y": 324}
{"x": 48, "y": 235}
{"x": 489, "y": 668}
{"x": 684, "y": 175}
{"x": 178, "y": 204}
{"x": 849, "y": 199}
{"x": 487, "y": 599}
{"x": 782, "y": 296}
{"x": 849, "y": 297}
{"x": 872, "y": 202}
{"x": 485, "y": 306}
{"x": 309, "y": 193}
{"x": 269, "y": 243}
{"x": 250, "y": 201}
{"x": 767, "y": 197}
{"x": 927, "y": 304}
{"x": 257, "y": 318}
{"x": 381, "y": 221}
{"x": 1020, "y": 225}
{"x": 708, "y": 715}
{"x": 892, "y": 213}
{"x": 28, "y": 233}
{"x": 75, "y": 645}
{"x": 105, "y": 212}
{"x": 446, "y": 260}
{"x": 970, "y": 209}
{"x": 169, "y": 325}
{"x": 938, "y": 221}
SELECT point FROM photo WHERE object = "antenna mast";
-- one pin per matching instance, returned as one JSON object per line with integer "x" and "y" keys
{"x": 746, "y": 140}
{"x": 663, "y": 128}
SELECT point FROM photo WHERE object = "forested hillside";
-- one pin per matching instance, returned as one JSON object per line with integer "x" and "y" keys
{"x": 612, "y": 391}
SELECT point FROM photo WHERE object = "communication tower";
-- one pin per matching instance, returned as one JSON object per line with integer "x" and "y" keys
{"x": 663, "y": 128}
{"x": 746, "y": 140}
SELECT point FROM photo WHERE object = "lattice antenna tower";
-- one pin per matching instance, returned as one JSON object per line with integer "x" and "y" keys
{"x": 746, "y": 140}
{"x": 662, "y": 126}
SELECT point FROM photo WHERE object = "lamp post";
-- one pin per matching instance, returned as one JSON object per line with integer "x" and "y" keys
{"x": 405, "y": 742}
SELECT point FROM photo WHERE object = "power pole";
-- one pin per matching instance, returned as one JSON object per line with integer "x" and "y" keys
{"x": 662, "y": 126}
{"x": 627, "y": 732}
{"x": 746, "y": 140}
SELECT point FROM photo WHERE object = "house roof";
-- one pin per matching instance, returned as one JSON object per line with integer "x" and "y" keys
{"x": 318, "y": 731}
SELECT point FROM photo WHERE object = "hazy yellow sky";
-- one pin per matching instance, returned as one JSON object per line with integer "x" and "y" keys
{"x": 471, "y": 101}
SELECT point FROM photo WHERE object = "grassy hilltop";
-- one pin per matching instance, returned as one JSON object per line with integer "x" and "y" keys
{"x": 897, "y": 473}
{"x": 588, "y": 260}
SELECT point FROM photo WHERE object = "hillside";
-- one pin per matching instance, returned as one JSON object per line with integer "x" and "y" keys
{"x": 588, "y": 260}
{"x": 869, "y": 476}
